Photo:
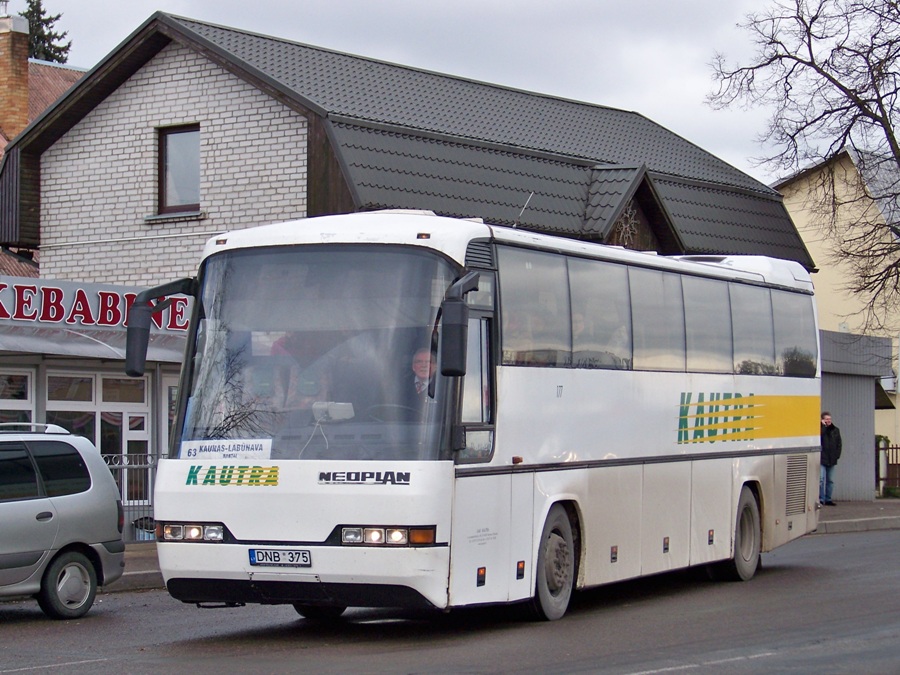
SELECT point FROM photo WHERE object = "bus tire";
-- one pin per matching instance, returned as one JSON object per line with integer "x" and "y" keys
{"x": 747, "y": 540}
{"x": 319, "y": 612}
{"x": 555, "y": 571}
{"x": 68, "y": 587}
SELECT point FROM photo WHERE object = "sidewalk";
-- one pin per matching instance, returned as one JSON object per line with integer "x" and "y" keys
{"x": 142, "y": 568}
{"x": 880, "y": 514}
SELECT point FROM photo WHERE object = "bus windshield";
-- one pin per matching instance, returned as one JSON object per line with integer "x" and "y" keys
{"x": 312, "y": 352}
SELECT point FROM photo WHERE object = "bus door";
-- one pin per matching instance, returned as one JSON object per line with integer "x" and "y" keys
{"x": 491, "y": 503}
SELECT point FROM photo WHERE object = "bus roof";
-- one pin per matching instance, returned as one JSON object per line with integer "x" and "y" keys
{"x": 451, "y": 236}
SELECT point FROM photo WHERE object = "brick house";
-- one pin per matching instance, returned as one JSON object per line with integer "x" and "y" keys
{"x": 189, "y": 129}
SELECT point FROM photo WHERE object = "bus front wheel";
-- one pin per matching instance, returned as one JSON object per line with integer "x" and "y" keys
{"x": 747, "y": 540}
{"x": 555, "y": 572}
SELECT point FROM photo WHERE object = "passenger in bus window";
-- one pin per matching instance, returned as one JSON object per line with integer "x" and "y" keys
{"x": 423, "y": 368}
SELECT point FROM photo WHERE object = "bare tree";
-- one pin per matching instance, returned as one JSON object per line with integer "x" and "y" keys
{"x": 828, "y": 69}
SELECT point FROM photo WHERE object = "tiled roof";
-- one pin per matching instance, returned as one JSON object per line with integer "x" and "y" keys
{"x": 391, "y": 169}
{"x": 13, "y": 265}
{"x": 46, "y": 83}
{"x": 412, "y": 138}
{"x": 611, "y": 189}
{"x": 367, "y": 89}
{"x": 711, "y": 219}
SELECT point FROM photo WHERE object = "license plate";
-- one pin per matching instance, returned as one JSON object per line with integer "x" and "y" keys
{"x": 280, "y": 557}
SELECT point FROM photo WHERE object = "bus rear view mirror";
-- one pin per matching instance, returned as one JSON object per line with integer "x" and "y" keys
{"x": 455, "y": 326}
{"x": 454, "y": 338}
{"x": 137, "y": 337}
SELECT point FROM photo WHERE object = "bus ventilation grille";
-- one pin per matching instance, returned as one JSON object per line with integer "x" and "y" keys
{"x": 480, "y": 254}
{"x": 796, "y": 485}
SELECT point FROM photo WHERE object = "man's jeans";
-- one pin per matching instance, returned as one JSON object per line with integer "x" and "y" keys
{"x": 826, "y": 483}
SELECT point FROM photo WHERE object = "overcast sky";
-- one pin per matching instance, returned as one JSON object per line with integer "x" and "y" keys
{"x": 650, "y": 56}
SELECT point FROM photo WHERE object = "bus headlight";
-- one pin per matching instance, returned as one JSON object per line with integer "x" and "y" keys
{"x": 213, "y": 532}
{"x": 352, "y": 535}
{"x": 373, "y": 535}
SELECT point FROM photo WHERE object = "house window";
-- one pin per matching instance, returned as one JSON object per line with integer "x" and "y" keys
{"x": 179, "y": 169}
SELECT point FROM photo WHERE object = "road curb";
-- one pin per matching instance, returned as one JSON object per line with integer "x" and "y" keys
{"x": 858, "y": 525}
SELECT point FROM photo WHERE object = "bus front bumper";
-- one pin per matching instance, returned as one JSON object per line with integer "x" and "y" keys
{"x": 337, "y": 576}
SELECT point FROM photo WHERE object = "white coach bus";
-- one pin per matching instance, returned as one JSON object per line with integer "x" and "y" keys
{"x": 589, "y": 414}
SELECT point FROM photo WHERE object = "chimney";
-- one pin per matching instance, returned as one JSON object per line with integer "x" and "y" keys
{"x": 13, "y": 73}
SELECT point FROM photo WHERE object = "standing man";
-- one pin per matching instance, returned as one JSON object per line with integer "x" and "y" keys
{"x": 831, "y": 453}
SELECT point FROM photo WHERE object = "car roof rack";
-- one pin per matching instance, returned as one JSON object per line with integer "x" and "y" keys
{"x": 31, "y": 427}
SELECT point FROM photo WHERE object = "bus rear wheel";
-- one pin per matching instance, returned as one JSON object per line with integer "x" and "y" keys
{"x": 319, "y": 612}
{"x": 555, "y": 571}
{"x": 747, "y": 541}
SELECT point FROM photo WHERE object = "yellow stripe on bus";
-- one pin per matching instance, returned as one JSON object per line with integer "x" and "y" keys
{"x": 748, "y": 418}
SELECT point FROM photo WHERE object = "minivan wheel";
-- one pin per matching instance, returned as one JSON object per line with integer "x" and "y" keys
{"x": 68, "y": 587}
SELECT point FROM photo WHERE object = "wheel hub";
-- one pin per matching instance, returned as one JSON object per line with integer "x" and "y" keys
{"x": 556, "y": 567}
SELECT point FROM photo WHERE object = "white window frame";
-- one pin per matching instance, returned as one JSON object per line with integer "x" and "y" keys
{"x": 28, "y": 403}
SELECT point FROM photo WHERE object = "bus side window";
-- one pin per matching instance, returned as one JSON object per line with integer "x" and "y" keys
{"x": 795, "y": 334}
{"x": 657, "y": 308}
{"x": 534, "y": 288}
{"x": 477, "y": 402}
{"x": 754, "y": 338}
{"x": 601, "y": 314}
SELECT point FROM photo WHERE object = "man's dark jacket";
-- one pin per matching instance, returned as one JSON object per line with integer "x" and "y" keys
{"x": 831, "y": 445}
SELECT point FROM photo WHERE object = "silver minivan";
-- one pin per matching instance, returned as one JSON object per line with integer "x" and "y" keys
{"x": 61, "y": 519}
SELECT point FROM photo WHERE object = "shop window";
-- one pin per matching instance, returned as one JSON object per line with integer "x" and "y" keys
{"x": 78, "y": 422}
{"x": 16, "y": 402}
{"x": 179, "y": 169}
{"x": 14, "y": 387}
{"x": 70, "y": 388}
{"x": 126, "y": 451}
{"x": 123, "y": 391}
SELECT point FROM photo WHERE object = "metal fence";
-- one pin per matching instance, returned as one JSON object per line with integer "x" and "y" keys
{"x": 135, "y": 475}
{"x": 887, "y": 470}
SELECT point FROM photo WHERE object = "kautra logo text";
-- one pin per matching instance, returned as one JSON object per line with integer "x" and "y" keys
{"x": 253, "y": 476}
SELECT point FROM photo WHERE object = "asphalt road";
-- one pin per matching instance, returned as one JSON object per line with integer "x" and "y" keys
{"x": 826, "y": 603}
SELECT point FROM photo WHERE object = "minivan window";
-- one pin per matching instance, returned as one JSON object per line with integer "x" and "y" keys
{"x": 17, "y": 477}
{"x": 62, "y": 469}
